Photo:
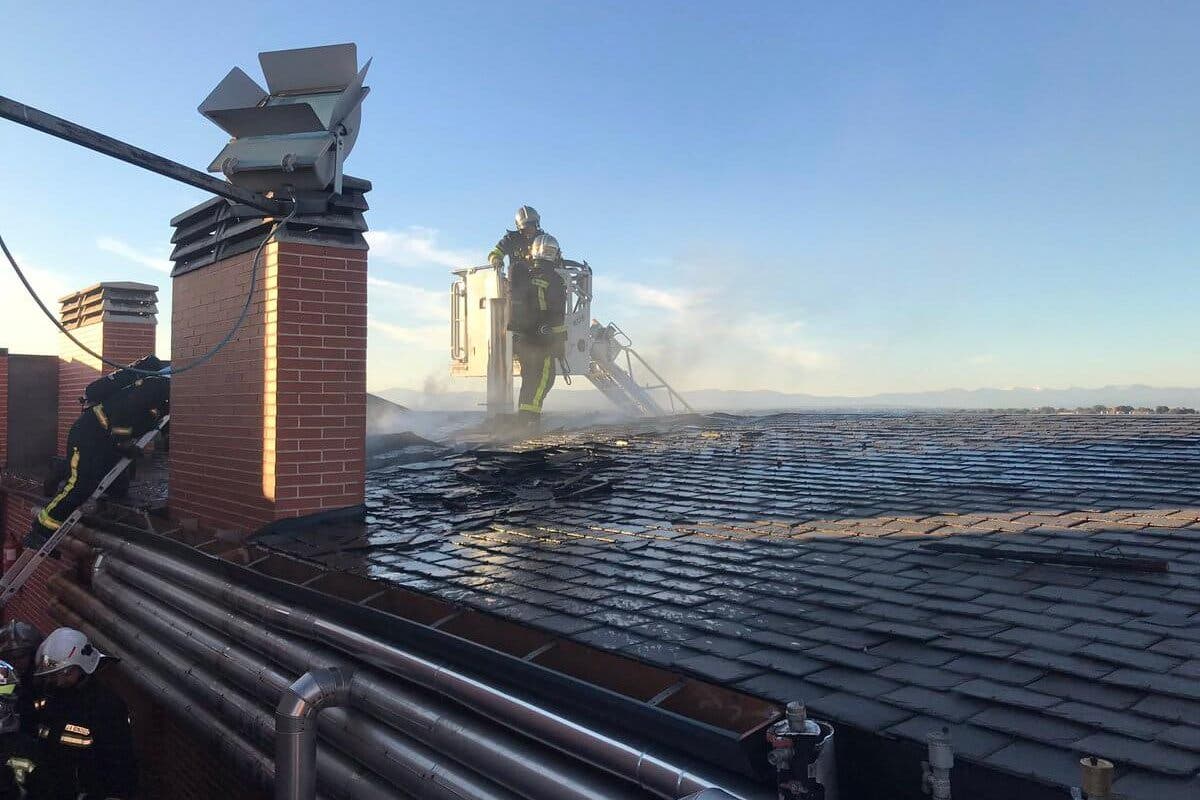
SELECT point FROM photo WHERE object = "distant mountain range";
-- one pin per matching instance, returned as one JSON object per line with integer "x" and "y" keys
{"x": 580, "y": 399}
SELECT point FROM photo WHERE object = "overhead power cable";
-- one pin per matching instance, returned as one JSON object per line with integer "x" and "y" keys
{"x": 169, "y": 370}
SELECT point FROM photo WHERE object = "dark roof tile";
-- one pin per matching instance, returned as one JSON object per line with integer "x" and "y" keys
{"x": 965, "y": 739}
{"x": 994, "y": 668}
{"x": 1106, "y": 719}
{"x": 1086, "y": 691}
{"x": 1031, "y": 725}
{"x": 1129, "y": 657}
{"x": 946, "y": 705}
{"x": 1005, "y": 694}
{"x": 1150, "y": 755}
{"x": 716, "y": 668}
{"x": 1042, "y": 762}
{"x": 791, "y": 663}
{"x": 854, "y": 710}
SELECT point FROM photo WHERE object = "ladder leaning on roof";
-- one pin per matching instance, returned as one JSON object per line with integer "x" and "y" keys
{"x": 30, "y": 560}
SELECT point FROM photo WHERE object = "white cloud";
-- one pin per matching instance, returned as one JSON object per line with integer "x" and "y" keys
{"x": 619, "y": 292}
{"x": 713, "y": 337}
{"x": 982, "y": 358}
{"x": 431, "y": 337}
{"x": 131, "y": 253}
{"x": 411, "y": 302}
{"x": 23, "y": 327}
{"x": 417, "y": 246}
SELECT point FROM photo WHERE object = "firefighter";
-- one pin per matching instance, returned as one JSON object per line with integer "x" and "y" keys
{"x": 103, "y": 434}
{"x": 516, "y": 245}
{"x": 539, "y": 329}
{"x": 18, "y": 643}
{"x": 82, "y": 727}
{"x": 19, "y": 754}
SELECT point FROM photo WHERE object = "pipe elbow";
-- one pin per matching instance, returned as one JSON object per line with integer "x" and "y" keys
{"x": 314, "y": 690}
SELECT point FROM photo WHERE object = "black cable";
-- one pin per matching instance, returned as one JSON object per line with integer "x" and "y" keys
{"x": 169, "y": 370}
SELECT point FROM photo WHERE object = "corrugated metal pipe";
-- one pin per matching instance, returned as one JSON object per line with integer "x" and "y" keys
{"x": 642, "y": 768}
{"x": 296, "y": 729}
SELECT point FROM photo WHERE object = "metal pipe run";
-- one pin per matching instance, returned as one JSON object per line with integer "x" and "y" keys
{"x": 296, "y": 729}
{"x": 642, "y": 768}
{"x": 345, "y": 780}
{"x": 415, "y": 769}
{"x": 523, "y": 766}
{"x": 233, "y": 748}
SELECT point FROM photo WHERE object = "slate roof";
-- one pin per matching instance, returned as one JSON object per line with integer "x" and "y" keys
{"x": 790, "y": 556}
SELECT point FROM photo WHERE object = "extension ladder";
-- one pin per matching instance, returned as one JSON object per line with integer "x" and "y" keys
{"x": 30, "y": 560}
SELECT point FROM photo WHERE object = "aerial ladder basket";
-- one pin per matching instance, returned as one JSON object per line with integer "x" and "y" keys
{"x": 481, "y": 345}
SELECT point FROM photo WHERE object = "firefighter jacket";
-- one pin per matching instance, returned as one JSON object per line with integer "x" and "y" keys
{"x": 131, "y": 412}
{"x": 539, "y": 306}
{"x": 86, "y": 744}
{"x": 514, "y": 245}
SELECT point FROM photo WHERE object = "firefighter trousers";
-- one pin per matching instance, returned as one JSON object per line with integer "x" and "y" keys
{"x": 90, "y": 455}
{"x": 537, "y": 360}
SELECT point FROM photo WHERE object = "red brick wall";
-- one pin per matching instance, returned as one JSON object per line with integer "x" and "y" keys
{"x": 31, "y": 602}
{"x": 3, "y": 409}
{"x": 217, "y": 410}
{"x": 274, "y": 426}
{"x": 322, "y": 388}
{"x": 121, "y": 342}
{"x": 76, "y": 369}
{"x": 126, "y": 342}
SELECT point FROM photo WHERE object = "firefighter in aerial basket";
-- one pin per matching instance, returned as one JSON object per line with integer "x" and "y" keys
{"x": 539, "y": 329}
{"x": 82, "y": 726}
{"x": 517, "y": 245}
{"x": 117, "y": 410}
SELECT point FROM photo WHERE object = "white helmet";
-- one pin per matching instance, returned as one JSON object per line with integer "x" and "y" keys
{"x": 66, "y": 647}
{"x": 545, "y": 248}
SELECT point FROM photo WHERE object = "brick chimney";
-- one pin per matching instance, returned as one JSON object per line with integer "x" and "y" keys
{"x": 116, "y": 320}
{"x": 272, "y": 430}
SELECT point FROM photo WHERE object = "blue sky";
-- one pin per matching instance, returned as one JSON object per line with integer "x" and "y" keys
{"x": 852, "y": 199}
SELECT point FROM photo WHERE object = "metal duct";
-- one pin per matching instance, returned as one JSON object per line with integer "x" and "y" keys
{"x": 240, "y": 753}
{"x": 644, "y": 769}
{"x": 511, "y": 760}
{"x": 346, "y": 781}
{"x": 405, "y": 764}
{"x": 296, "y": 730}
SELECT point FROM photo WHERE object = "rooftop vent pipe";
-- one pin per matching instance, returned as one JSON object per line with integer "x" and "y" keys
{"x": 296, "y": 729}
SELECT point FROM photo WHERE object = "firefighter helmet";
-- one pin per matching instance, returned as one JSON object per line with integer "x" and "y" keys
{"x": 18, "y": 639}
{"x": 64, "y": 648}
{"x": 527, "y": 216}
{"x": 545, "y": 248}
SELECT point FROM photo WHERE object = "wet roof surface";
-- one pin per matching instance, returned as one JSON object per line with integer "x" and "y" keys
{"x": 804, "y": 556}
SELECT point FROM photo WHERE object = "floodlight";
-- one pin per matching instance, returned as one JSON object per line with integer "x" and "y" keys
{"x": 296, "y": 133}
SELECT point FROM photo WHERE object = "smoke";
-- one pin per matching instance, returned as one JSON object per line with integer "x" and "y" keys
{"x": 436, "y": 383}
{"x": 706, "y": 322}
